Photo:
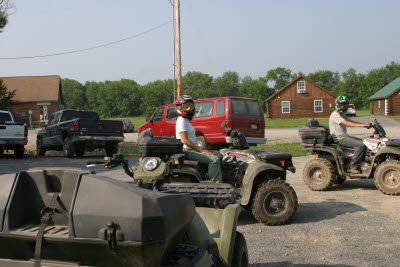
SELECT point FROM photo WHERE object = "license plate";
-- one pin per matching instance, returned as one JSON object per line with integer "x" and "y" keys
{"x": 254, "y": 126}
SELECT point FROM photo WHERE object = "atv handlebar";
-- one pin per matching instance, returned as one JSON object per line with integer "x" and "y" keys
{"x": 109, "y": 163}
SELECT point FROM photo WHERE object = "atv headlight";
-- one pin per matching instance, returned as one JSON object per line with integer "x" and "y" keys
{"x": 150, "y": 164}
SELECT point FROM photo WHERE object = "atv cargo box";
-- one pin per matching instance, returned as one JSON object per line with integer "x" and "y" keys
{"x": 150, "y": 146}
{"x": 74, "y": 216}
{"x": 313, "y": 133}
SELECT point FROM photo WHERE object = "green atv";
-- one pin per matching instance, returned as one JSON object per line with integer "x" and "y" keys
{"x": 71, "y": 217}
{"x": 257, "y": 175}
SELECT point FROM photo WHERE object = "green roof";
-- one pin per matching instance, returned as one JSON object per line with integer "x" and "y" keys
{"x": 387, "y": 90}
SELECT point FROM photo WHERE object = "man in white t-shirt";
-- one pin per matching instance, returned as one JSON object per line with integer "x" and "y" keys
{"x": 186, "y": 132}
{"x": 338, "y": 123}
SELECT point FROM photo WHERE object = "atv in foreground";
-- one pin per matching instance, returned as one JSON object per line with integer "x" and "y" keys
{"x": 257, "y": 175}
{"x": 70, "y": 217}
{"x": 382, "y": 161}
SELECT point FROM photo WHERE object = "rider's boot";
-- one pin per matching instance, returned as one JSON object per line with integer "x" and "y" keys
{"x": 354, "y": 170}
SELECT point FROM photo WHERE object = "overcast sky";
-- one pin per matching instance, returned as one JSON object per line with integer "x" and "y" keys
{"x": 247, "y": 36}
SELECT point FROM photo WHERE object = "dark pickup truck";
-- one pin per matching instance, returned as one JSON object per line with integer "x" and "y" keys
{"x": 77, "y": 131}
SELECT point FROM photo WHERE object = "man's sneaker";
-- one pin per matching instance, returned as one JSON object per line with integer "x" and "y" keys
{"x": 354, "y": 170}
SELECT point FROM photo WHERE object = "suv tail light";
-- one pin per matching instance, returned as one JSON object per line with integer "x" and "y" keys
{"x": 76, "y": 126}
{"x": 122, "y": 127}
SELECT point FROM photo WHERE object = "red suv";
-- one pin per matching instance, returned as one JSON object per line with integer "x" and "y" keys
{"x": 212, "y": 116}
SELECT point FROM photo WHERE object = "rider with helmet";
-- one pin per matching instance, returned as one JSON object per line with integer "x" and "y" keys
{"x": 186, "y": 132}
{"x": 338, "y": 123}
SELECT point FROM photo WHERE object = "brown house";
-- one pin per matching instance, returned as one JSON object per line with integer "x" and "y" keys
{"x": 37, "y": 97}
{"x": 301, "y": 98}
{"x": 387, "y": 100}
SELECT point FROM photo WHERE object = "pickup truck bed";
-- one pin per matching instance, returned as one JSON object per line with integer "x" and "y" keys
{"x": 75, "y": 132}
{"x": 13, "y": 136}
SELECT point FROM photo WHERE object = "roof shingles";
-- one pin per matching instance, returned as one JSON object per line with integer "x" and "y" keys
{"x": 387, "y": 90}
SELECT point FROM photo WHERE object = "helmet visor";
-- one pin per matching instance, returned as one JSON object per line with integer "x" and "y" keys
{"x": 187, "y": 106}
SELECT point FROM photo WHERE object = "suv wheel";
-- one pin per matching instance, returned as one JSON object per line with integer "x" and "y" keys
{"x": 387, "y": 177}
{"x": 68, "y": 148}
{"x": 274, "y": 203}
{"x": 319, "y": 174}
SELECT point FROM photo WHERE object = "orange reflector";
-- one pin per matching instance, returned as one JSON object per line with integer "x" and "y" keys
{"x": 283, "y": 163}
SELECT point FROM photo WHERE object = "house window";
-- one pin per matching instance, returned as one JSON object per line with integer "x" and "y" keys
{"x": 301, "y": 87}
{"x": 379, "y": 104}
{"x": 318, "y": 106}
{"x": 285, "y": 107}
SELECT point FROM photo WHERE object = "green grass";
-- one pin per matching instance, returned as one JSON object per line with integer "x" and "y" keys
{"x": 137, "y": 121}
{"x": 293, "y": 148}
{"x": 363, "y": 112}
{"x": 291, "y": 123}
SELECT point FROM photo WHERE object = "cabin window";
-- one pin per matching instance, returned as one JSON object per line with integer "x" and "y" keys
{"x": 285, "y": 107}
{"x": 301, "y": 87}
{"x": 379, "y": 104}
{"x": 318, "y": 106}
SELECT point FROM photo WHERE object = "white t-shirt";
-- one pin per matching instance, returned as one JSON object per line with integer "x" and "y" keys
{"x": 337, "y": 128}
{"x": 184, "y": 125}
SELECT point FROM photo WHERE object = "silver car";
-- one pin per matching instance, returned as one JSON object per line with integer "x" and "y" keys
{"x": 351, "y": 110}
{"x": 128, "y": 125}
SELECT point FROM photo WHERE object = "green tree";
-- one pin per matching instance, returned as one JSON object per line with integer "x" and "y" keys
{"x": 228, "y": 84}
{"x": 280, "y": 77}
{"x": 74, "y": 94}
{"x": 257, "y": 89}
{"x": 352, "y": 86}
{"x": 325, "y": 78}
{"x": 155, "y": 94}
{"x": 197, "y": 85}
{"x": 5, "y": 96}
{"x": 92, "y": 90}
{"x": 5, "y": 6}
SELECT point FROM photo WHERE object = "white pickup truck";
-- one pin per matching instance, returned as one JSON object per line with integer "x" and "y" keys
{"x": 13, "y": 136}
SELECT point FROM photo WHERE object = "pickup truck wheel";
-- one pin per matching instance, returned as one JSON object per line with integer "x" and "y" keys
{"x": 111, "y": 150}
{"x": 68, "y": 148}
{"x": 274, "y": 203}
{"x": 80, "y": 151}
{"x": 201, "y": 142}
{"x": 40, "y": 151}
{"x": 19, "y": 152}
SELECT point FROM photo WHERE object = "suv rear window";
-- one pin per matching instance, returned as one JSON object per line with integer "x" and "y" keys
{"x": 351, "y": 106}
{"x": 239, "y": 107}
{"x": 204, "y": 109}
{"x": 74, "y": 114}
{"x": 5, "y": 117}
{"x": 253, "y": 108}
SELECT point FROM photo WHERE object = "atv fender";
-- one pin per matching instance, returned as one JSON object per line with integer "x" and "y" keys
{"x": 220, "y": 227}
{"x": 252, "y": 171}
{"x": 383, "y": 152}
{"x": 188, "y": 170}
{"x": 337, "y": 155}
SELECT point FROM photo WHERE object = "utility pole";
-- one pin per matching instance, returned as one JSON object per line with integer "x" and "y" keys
{"x": 178, "y": 47}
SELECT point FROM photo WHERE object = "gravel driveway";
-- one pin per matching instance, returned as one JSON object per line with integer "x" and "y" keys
{"x": 352, "y": 225}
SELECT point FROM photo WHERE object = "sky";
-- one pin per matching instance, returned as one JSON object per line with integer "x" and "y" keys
{"x": 247, "y": 36}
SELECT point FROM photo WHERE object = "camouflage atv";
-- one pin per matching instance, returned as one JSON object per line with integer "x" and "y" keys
{"x": 258, "y": 176}
{"x": 70, "y": 217}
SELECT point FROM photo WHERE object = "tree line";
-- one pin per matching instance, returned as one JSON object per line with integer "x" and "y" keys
{"x": 128, "y": 98}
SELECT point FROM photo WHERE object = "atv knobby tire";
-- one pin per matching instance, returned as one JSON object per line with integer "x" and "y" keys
{"x": 240, "y": 253}
{"x": 319, "y": 174}
{"x": 274, "y": 203}
{"x": 387, "y": 177}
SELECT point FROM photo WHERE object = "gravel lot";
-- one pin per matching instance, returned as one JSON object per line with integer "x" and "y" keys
{"x": 353, "y": 225}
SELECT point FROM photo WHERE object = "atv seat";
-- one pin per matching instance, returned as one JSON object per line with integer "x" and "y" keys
{"x": 34, "y": 191}
{"x": 272, "y": 154}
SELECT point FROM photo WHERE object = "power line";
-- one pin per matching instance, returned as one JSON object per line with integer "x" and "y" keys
{"x": 89, "y": 48}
